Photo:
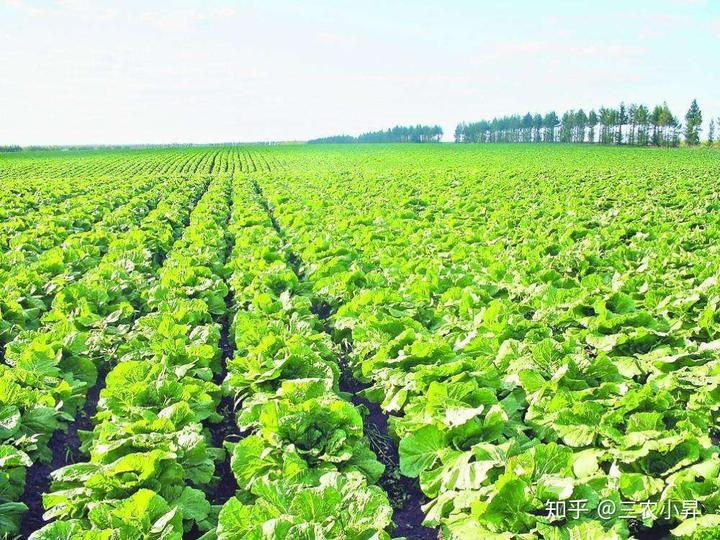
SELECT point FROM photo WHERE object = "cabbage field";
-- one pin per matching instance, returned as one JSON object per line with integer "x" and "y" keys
{"x": 360, "y": 342}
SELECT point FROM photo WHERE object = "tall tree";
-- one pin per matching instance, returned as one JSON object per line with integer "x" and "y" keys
{"x": 693, "y": 123}
{"x": 642, "y": 117}
{"x": 631, "y": 112}
{"x": 620, "y": 121}
{"x": 592, "y": 123}
{"x": 537, "y": 127}
{"x": 527, "y": 124}
{"x": 607, "y": 121}
{"x": 460, "y": 132}
{"x": 669, "y": 126}
{"x": 581, "y": 121}
{"x": 566, "y": 127}
{"x": 711, "y": 132}
{"x": 656, "y": 121}
{"x": 550, "y": 122}
{"x": 675, "y": 129}
{"x": 515, "y": 128}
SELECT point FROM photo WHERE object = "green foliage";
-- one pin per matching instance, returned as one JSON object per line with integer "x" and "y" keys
{"x": 397, "y": 134}
{"x": 634, "y": 125}
{"x": 539, "y": 324}
{"x": 693, "y": 123}
{"x": 545, "y": 334}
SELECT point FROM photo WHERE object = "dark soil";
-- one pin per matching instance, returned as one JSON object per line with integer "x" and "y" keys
{"x": 65, "y": 448}
{"x": 292, "y": 259}
{"x": 660, "y": 531}
{"x": 226, "y": 430}
{"x": 37, "y": 481}
{"x": 65, "y": 444}
{"x": 404, "y": 493}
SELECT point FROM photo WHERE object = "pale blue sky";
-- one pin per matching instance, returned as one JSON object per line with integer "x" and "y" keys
{"x": 93, "y": 71}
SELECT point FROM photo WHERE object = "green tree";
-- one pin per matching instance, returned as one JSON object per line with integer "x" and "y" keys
{"x": 656, "y": 121}
{"x": 620, "y": 121}
{"x": 567, "y": 126}
{"x": 550, "y": 122}
{"x": 675, "y": 129}
{"x": 607, "y": 121}
{"x": 642, "y": 118}
{"x": 711, "y": 132}
{"x": 537, "y": 127}
{"x": 631, "y": 112}
{"x": 460, "y": 132}
{"x": 581, "y": 121}
{"x": 668, "y": 126}
{"x": 527, "y": 124}
{"x": 693, "y": 123}
{"x": 592, "y": 123}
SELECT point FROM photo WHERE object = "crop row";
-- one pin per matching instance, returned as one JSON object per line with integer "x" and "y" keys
{"x": 27, "y": 212}
{"x": 75, "y": 170}
{"x": 149, "y": 451}
{"x": 541, "y": 334}
{"x": 30, "y": 283}
{"x": 47, "y": 372}
{"x": 522, "y": 373}
{"x": 43, "y": 230}
{"x": 303, "y": 466}
{"x": 34, "y": 179}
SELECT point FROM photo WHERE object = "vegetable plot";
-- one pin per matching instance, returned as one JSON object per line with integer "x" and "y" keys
{"x": 549, "y": 364}
{"x": 304, "y": 468}
{"x": 148, "y": 452}
{"x": 275, "y": 342}
{"x": 47, "y": 372}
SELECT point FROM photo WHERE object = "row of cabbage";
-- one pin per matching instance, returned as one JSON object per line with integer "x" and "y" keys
{"x": 149, "y": 452}
{"x": 545, "y": 374}
{"x": 55, "y": 204}
{"x": 71, "y": 227}
{"x": 29, "y": 175}
{"x": 63, "y": 250}
{"x": 54, "y": 344}
{"x": 40, "y": 169}
{"x": 303, "y": 466}
{"x": 51, "y": 200}
{"x": 30, "y": 234}
{"x": 47, "y": 372}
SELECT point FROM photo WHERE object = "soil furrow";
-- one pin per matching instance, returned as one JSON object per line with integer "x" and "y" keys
{"x": 404, "y": 493}
{"x": 65, "y": 444}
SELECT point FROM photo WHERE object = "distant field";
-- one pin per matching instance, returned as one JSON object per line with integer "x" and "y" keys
{"x": 360, "y": 342}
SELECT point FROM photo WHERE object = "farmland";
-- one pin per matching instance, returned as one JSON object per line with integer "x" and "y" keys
{"x": 437, "y": 341}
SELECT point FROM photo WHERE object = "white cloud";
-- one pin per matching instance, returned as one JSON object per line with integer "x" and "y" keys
{"x": 27, "y": 8}
{"x": 78, "y": 10}
{"x": 181, "y": 20}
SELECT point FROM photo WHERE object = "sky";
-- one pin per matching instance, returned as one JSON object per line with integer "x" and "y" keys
{"x": 121, "y": 72}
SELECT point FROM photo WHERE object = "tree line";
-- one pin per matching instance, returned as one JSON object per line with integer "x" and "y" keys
{"x": 10, "y": 148}
{"x": 398, "y": 134}
{"x": 633, "y": 125}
